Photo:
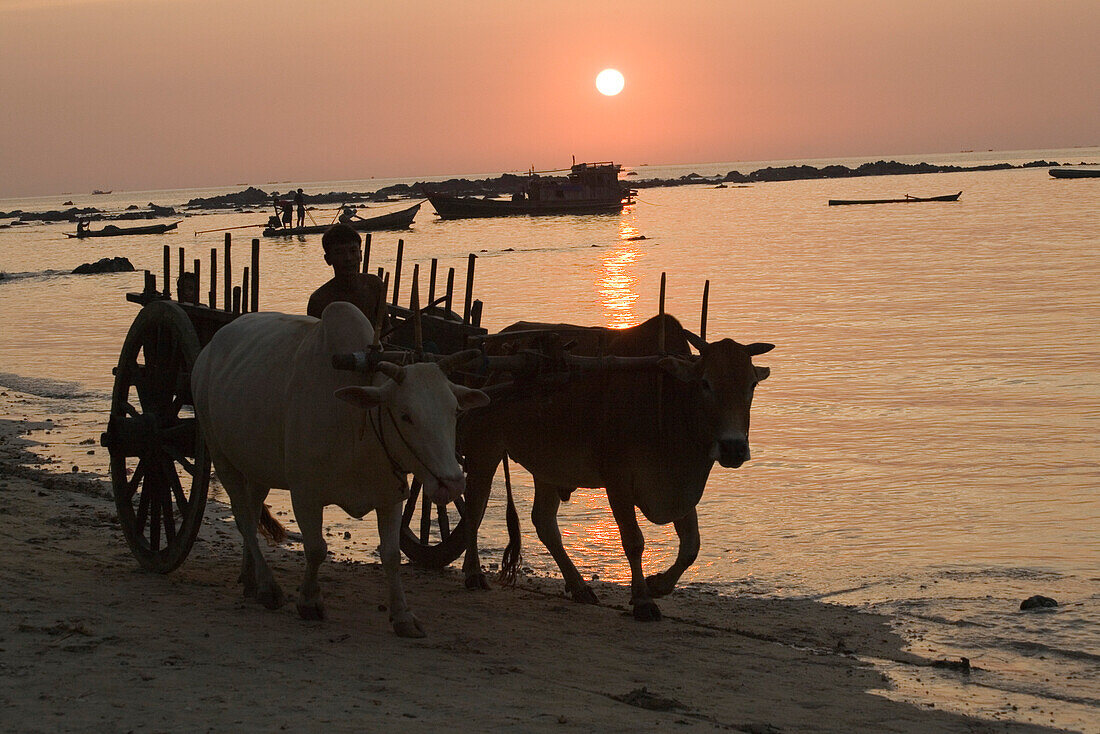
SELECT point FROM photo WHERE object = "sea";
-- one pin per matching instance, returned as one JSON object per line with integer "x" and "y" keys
{"x": 926, "y": 446}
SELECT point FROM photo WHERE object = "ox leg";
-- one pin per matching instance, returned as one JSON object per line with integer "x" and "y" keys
{"x": 645, "y": 609}
{"x": 256, "y": 576}
{"x": 389, "y": 547}
{"x": 687, "y": 529}
{"x": 310, "y": 517}
{"x": 479, "y": 484}
{"x": 544, "y": 515}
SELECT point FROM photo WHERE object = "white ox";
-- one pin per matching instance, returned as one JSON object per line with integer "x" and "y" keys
{"x": 275, "y": 413}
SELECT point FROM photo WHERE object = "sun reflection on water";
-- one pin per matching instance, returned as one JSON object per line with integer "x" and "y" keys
{"x": 618, "y": 281}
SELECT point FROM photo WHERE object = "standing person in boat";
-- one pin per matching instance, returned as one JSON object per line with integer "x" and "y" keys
{"x": 82, "y": 226}
{"x": 288, "y": 213}
{"x": 300, "y": 203}
{"x": 343, "y": 251}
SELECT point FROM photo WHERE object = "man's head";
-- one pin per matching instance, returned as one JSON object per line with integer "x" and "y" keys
{"x": 299, "y": 191}
{"x": 342, "y": 248}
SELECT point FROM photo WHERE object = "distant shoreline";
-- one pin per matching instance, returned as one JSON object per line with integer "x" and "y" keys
{"x": 510, "y": 183}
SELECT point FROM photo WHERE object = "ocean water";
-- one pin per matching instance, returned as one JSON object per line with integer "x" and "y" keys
{"x": 925, "y": 447}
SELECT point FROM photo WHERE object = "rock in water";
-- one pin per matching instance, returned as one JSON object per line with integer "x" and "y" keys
{"x": 106, "y": 265}
{"x": 1037, "y": 602}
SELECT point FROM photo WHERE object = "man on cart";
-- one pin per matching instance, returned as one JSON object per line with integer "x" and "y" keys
{"x": 343, "y": 251}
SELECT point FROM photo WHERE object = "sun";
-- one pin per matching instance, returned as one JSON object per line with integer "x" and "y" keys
{"x": 610, "y": 82}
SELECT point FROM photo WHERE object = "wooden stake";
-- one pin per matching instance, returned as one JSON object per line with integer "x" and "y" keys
{"x": 366, "y": 253}
{"x": 182, "y": 268}
{"x": 475, "y": 313}
{"x": 255, "y": 275}
{"x": 198, "y": 279}
{"x": 703, "y": 315}
{"x": 469, "y": 289}
{"x": 661, "y": 323}
{"x": 244, "y": 292}
{"x": 450, "y": 288}
{"x": 414, "y": 306}
{"x": 228, "y": 273}
{"x": 167, "y": 271}
{"x": 397, "y": 270}
{"x": 213, "y": 277}
{"x": 431, "y": 281}
{"x": 236, "y": 299}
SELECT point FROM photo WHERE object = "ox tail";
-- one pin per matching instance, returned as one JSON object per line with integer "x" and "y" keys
{"x": 513, "y": 556}
{"x": 271, "y": 528}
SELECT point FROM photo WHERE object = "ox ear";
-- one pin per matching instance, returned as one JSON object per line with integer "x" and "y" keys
{"x": 363, "y": 397}
{"x": 762, "y": 373}
{"x": 468, "y": 398}
{"x": 681, "y": 369}
{"x": 759, "y": 348}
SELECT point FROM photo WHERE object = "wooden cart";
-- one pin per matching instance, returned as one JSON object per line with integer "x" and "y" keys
{"x": 160, "y": 469}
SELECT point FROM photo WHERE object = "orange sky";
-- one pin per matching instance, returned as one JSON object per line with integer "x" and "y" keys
{"x": 138, "y": 94}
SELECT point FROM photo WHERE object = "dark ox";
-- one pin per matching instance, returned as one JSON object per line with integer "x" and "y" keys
{"x": 649, "y": 436}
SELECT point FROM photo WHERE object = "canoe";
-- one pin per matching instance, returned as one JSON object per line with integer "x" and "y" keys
{"x": 393, "y": 220}
{"x": 112, "y": 231}
{"x": 1076, "y": 172}
{"x": 907, "y": 200}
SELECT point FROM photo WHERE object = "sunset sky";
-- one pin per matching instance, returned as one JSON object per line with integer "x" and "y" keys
{"x": 141, "y": 94}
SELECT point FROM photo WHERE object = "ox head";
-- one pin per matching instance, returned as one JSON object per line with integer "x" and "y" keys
{"x": 417, "y": 406}
{"x": 723, "y": 379}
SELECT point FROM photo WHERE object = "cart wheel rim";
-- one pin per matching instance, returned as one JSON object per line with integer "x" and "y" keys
{"x": 432, "y": 535}
{"x": 160, "y": 469}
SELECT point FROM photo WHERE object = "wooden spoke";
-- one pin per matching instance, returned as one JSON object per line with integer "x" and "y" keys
{"x": 425, "y": 520}
{"x": 143, "y": 506}
{"x": 135, "y": 480}
{"x": 179, "y": 458}
{"x": 167, "y": 515}
{"x": 154, "y": 525}
{"x": 410, "y": 503}
{"x": 176, "y": 487}
{"x": 444, "y": 522}
{"x": 460, "y": 505}
{"x": 130, "y": 411}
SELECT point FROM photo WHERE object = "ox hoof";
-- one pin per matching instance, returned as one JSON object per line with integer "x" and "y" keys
{"x": 585, "y": 595}
{"x": 409, "y": 627}
{"x": 647, "y": 611}
{"x": 272, "y": 598}
{"x": 657, "y": 586}
{"x": 313, "y": 611}
{"x": 477, "y": 581}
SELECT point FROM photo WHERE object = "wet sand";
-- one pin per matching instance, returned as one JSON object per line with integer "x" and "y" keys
{"x": 90, "y": 642}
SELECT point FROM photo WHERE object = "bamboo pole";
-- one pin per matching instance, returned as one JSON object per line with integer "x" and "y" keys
{"x": 255, "y": 275}
{"x": 661, "y": 323}
{"x": 228, "y": 272}
{"x": 182, "y": 268}
{"x": 236, "y": 299}
{"x": 198, "y": 279}
{"x": 366, "y": 253}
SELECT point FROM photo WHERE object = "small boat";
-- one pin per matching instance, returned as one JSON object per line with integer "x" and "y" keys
{"x": 1076, "y": 172}
{"x": 907, "y": 200}
{"x": 97, "y": 192}
{"x": 393, "y": 220}
{"x": 591, "y": 188}
{"x": 112, "y": 231}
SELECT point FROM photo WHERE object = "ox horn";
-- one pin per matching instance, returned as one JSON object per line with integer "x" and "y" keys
{"x": 393, "y": 371}
{"x": 695, "y": 340}
{"x": 458, "y": 360}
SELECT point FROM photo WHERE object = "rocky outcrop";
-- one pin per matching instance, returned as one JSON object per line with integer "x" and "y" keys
{"x": 106, "y": 265}
{"x": 1037, "y": 602}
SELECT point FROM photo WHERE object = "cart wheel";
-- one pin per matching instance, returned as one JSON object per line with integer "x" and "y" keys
{"x": 152, "y": 435}
{"x": 427, "y": 536}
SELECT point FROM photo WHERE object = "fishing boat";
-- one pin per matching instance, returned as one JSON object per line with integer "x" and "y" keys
{"x": 112, "y": 231}
{"x": 1076, "y": 172}
{"x": 590, "y": 188}
{"x": 907, "y": 200}
{"x": 393, "y": 220}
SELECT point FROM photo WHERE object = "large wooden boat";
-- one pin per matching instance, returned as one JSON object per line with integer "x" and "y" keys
{"x": 393, "y": 220}
{"x": 907, "y": 200}
{"x": 591, "y": 188}
{"x": 112, "y": 231}
{"x": 1076, "y": 172}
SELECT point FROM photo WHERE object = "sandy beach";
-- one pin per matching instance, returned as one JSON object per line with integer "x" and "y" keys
{"x": 90, "y": 642}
